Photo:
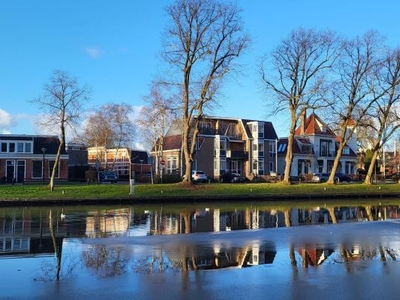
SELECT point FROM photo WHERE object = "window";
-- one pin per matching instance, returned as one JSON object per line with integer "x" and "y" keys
{"x": 20, "y": 147}
{"x": 326, "y": 148}
{"x": 271, "y": 167}
{"x": 222, "y": 165}
{"x": 205, "y": 127}
{"x": 28, "y": 148}
{"x": 37, "y": 169}
{"x": 261, "y": 131}
{"x": 305, "y": 148}
{"x": 172, "y": 164}
{"x": 261, "y": 167}
{"x": 222, "y": 147}
{"x": 261, "y": 150}
{"x": 346, "y": 151}
{"x": 271, "y": 149}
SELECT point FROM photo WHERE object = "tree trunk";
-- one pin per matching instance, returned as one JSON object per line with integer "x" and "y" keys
{"x": 289, "y": 150}
{"x": 53, "y": 172}
{"x": 186, "y": 151}
{"x": 372, "y": 166}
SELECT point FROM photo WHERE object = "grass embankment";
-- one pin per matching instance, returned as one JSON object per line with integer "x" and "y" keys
{"x": 268, "y": 191}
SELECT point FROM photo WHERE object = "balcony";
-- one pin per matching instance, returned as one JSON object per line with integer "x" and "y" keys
{"x": 236, "y": 154}
{"x": 326, "y": 154}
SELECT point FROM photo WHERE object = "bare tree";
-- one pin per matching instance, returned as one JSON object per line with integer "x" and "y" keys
{"x": 154, "y": 119}
{"x": 110, "y": 127}
{"x": 353, "y": 90}
{"x": 202, "y": 41}
{"x": 385, "y": 111}
{"x": 61, "y": 104}
{"x": 299, "y": 68}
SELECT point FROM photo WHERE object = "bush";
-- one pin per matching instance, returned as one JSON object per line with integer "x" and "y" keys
{"x": 167, "y": 178}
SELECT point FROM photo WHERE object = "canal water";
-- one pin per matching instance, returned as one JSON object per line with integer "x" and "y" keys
{"x": 261, "y": 250}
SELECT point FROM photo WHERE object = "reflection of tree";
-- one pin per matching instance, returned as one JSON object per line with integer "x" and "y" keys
{"x": 105, "y": 261}
{"x": 54, "y": 269}
{"x": 349, "y": 255}
{"x": 389, "y": 252}
{"x": 332, "y": 214}
{"x": 185, "y": 258}
{"x": 369, "y": 213}
{"x": 56, "y": 248}
{"x": 287, "y": 218}
{"x": 156, "y": 263}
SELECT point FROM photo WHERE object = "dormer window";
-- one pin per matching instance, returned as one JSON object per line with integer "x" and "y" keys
{"x": 305, "y": 148}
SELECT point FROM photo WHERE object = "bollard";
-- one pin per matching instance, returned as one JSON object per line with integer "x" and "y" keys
{"x": 132, "y": 187}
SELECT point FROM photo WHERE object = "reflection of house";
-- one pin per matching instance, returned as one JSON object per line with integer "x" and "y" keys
{"x": 223, "y": 144}
{"x": 119, "y": 160}
{"x": 231, "y": 257}
{"x": 23, "y": 233}
{"x": 314, "y": 257}
{"x": 314, "y": 149}
{"x": 108, "y": 223}
{"x": 30, "y": 158}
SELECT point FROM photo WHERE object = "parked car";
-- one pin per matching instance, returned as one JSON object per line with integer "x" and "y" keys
{"x": 322, "y": 177}
{"x": 231, "y": 177}
{"x": 108, "y": 176}
{"x": 199, "y": 176}
{"x": 343, "y": 177}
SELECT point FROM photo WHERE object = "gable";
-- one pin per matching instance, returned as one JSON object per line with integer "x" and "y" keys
{"x": 313, "y": 125}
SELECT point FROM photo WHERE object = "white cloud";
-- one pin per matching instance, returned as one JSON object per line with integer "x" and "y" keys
{"x": 6, "y": 121}
{"x": 94, "y": 52}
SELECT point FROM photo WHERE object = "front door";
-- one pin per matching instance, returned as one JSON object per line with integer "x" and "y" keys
{"x": 20, "y": 171}
{"x": 15, "y": 171}
{"x": 234, "y": 166}
{"x": 10, "y": 171}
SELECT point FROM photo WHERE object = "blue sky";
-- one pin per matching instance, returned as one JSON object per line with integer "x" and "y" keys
{"x": 113, "y": 47}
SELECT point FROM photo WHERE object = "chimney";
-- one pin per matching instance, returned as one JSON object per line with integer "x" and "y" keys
{"x": 303, "y": 122}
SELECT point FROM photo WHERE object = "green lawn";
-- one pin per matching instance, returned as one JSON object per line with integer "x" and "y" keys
{"x": 122, "y": 191}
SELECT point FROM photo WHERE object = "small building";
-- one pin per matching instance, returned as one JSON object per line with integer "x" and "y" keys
{"x": 30, "y": 158}
{"x": 78, "y": 161}
{"x": 121, "y": 161}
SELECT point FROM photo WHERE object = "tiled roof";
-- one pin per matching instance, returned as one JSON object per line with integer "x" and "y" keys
{"x": 313, "y": 125}
{"x": 172, "y": 142}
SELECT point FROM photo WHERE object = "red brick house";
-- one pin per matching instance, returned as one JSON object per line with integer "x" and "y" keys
{"x": 30, "y": 158}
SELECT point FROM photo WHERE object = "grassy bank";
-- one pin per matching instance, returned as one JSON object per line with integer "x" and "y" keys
{"x": 202, "y": 191}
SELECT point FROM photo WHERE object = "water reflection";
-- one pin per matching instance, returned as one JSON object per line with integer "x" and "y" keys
{"x": 69, "y": 239}
{"x": 41, "y": 230}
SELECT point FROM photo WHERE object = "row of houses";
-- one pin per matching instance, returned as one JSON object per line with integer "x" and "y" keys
{"x": 30, "y": 158}
{"x": 252, "y": 148}
{"x": 249, "y": 147}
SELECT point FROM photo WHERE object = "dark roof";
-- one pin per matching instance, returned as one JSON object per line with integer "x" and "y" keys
{"x": 283, "y": 143}
{"x": 139, "y": 156}
{"x": 50, "y": 143}
{"x": 172, "y": 142}
{"x": 269, "y": 130}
